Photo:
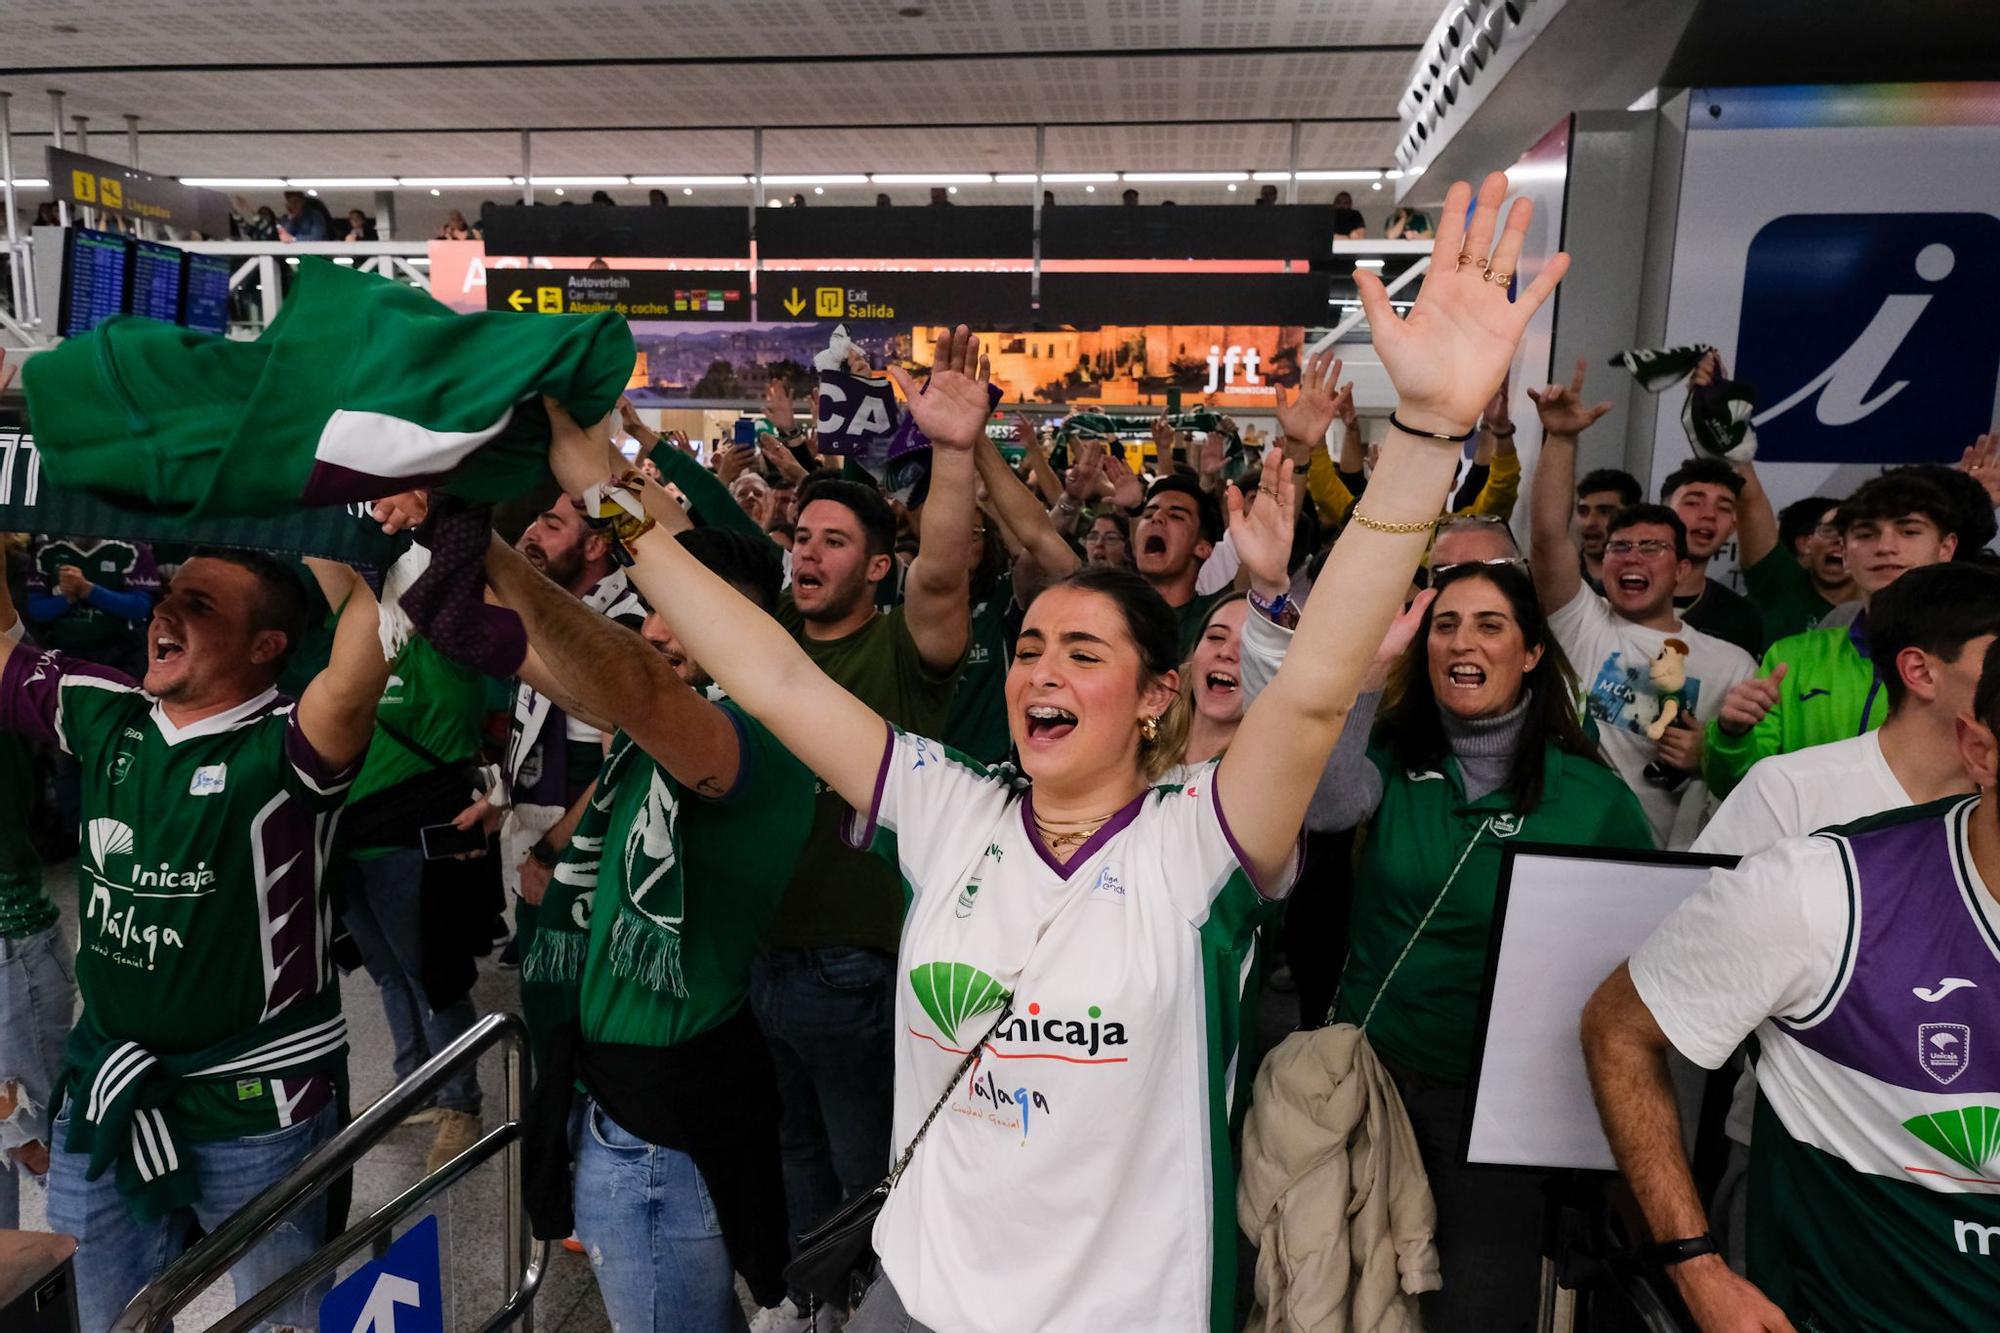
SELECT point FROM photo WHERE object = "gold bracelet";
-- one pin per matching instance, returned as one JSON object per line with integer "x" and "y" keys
{"x": 1399, "y": 529}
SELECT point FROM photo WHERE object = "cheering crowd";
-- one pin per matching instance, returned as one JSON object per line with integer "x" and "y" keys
{"x": 903, "y": 870}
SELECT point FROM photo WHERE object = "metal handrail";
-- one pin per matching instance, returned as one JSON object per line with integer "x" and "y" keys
{"x": 166, "y": 1295}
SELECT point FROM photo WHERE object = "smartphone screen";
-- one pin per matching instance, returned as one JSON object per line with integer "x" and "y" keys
{"x": 442, "y": 840}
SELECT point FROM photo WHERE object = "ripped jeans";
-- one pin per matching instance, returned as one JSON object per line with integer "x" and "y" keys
{"x": 37, "y": 1002}
{"x": 116, "y": 1255}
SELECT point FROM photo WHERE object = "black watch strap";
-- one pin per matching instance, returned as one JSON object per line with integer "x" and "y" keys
{"x": 1667, "y": 1253}
{"x": 544, "y": 854}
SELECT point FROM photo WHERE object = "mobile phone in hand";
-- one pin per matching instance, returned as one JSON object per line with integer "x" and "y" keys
{"x": 745, "y": 431}
{"x": 441, "y": 842}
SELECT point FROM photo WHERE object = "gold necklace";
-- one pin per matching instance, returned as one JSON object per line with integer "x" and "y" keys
{"x": 1065, "y": 836}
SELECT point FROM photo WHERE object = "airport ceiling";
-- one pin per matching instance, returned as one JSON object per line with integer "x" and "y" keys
{"x": 368, "y": 87}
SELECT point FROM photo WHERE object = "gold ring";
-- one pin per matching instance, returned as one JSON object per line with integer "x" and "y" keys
{"x": 1479, "y": 264}
{"x": 1464, "y": 258}
{"x": 1493, "y": 275}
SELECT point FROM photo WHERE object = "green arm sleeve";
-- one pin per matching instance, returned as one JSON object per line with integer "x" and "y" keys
{"x": 707, "y": 496}
{"x": 1728, "y": 758}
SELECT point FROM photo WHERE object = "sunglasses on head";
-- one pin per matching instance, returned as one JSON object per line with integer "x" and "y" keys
{"x": 1428, "y": 578}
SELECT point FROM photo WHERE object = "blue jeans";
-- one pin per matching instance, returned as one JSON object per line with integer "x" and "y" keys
{"x": 116, "y": 1255}
{"x": 385, "y": 915}
{"x": 37, "y": 1000}
{"x": 645, "y": 1218}
{"x": 828, "y": 1014}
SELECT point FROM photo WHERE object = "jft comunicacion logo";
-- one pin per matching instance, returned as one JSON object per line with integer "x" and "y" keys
{"x": 1870, "y": 337}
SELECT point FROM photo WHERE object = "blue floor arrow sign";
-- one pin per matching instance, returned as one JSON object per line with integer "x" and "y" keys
{"x": 401, "y": 1292}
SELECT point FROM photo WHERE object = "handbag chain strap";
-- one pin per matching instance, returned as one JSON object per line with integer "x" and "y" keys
{"x": 971, "y": 1058}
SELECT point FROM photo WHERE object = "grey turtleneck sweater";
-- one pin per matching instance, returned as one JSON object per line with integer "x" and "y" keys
{"x": 1351, "y": 787}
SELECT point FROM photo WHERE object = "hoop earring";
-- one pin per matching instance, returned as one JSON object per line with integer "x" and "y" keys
{"x": 1149, "y": 729}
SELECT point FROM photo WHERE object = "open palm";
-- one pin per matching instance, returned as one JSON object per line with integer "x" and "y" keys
{"x": 1310, "y": 413}
{"x": 953, "y": 405}
{"x": 1262, "y": 533}
{"x": 1448, "y": 355}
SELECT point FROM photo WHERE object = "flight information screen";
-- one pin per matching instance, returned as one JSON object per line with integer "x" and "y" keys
{"x": 206, "y": 306}
{"x": 96, "y": 266}
{"x": 158, "y": 275}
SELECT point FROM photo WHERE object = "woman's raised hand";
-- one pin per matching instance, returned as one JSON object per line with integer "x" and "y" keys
{"x": 1263, "y": 532}
{"x": 1448, "y": 355}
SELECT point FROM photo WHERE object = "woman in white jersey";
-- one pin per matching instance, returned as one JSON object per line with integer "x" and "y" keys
{"x": 1089, "y": 931}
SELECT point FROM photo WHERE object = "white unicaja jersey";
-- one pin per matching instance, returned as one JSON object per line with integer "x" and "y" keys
{"x": 1079, "y": 1177}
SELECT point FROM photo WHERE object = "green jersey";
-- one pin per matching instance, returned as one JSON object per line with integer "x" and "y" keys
{"x": 1193, "y": 614}
{"x": 839, "y": 896}
{"x": 112, "y": 566}
{"x": 715, "y": 869}
{"x": 1830, "y": 693}
{"x": 977, "y": 723}
{"x": 1420, "y": 831}
{"x": 201, "y": 907}
{"x": 431, "y": 701}
{"x": 1784, "y": 593}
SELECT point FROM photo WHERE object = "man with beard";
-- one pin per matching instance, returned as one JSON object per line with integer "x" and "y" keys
{"x": 823, "y": 988}
{"x": 551, "y": 757}
{"x": 1650, "y": 680}
{"x": 695, "y": 826}
{"x": 1704, "y": 491}
{"x": 1178, "y": 527}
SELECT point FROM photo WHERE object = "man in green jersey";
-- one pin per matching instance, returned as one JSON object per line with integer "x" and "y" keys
{"x": 1821, "y": 686}
{"x": 210, "y": 1056}
{"x": 656, "y": 913}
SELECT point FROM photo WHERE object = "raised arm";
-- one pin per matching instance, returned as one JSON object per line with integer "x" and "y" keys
{"x": 1552, "y": 556}
{"x": 952, "y": 410}
{"x": 1444, "y": 359}
{"x": 1044, "y": 554}
{"x": 749, "y": 654}
{"x": 337, "y": 711}
{"x": 618, "y": 677}
{"x": 1756, "y": 520}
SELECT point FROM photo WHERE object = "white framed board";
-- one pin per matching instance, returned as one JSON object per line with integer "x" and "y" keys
{"x": 1563, "y": 919}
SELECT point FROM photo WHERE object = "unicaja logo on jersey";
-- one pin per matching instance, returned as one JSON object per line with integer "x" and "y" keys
{"x": 1860, "y": 327}
{"x": 1969, "y": 1136}
{"x": 951, "y": 993}
{"x": 1944, "y": 1049}
{"x": 108, "y": 838}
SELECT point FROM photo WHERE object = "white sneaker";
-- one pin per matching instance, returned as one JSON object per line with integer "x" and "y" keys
{"x": 787, "y": 1317}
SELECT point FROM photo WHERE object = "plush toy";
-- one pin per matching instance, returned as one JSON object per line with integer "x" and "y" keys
{"x": 1669, "y": 676}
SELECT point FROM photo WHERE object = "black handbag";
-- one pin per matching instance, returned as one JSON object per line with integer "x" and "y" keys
{"x": 841, "y": 1249}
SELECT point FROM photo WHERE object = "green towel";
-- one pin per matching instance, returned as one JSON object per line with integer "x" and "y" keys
{"x": 362, "y": 387}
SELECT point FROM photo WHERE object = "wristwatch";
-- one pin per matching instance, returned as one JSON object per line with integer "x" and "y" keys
{"x": 1667, "y": 1253}
{"x": 544, "y": 855}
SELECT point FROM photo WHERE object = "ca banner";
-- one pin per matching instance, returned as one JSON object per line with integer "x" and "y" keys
{"x": 28, "y": 504}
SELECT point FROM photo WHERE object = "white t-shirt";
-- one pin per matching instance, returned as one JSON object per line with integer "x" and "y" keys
{"x": 1791, "y": 795}
{"x": 1079, "y": 1176}
{"x": 1613, "y": 659}
{"x": 1765, "y": 938}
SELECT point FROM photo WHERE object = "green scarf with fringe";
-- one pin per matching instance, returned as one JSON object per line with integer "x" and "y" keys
{"x": 633, "y": 824}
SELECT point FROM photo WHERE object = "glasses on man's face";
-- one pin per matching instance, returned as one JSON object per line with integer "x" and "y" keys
{"x": 1651, "y": 547}
{"x": 1827, "y": 532}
